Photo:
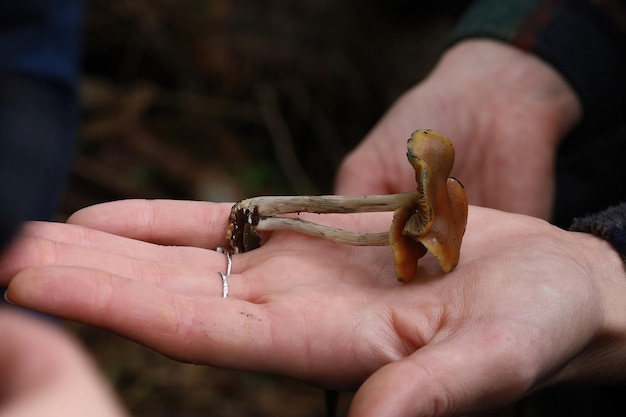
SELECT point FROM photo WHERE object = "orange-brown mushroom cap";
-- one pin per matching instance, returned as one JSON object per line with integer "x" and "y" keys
{"x": 436, "y": 220}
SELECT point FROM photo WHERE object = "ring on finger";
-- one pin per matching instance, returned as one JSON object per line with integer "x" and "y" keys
{"x": 229, "y": 267}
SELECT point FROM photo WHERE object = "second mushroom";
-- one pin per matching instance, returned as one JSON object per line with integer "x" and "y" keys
{"x": 432, "y": 218}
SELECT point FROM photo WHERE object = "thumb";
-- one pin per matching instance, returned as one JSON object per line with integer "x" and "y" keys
{"x": 442, "y": 380}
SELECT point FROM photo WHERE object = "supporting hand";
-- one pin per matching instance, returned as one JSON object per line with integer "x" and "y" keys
{"x": 505, "y": 111}
{"x": 529, "y": 304}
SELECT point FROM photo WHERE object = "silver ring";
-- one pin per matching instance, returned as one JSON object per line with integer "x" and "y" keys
{"x": 229, "y": 259}
{"x": 224, "y": 284}
{"x": 229, "y": 268}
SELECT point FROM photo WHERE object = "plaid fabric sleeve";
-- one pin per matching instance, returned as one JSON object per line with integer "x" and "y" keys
{"x": 585, "y": 40}
{"x": 609, "y": 225}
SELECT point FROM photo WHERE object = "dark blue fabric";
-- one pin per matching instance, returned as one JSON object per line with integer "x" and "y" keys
{"x": 37, "y": 132}
{"x": 41, "y": 38}
{"x": 39, "y": 70}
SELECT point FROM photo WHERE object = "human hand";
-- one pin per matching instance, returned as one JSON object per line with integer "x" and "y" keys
{"x": 528, "y": 305}
{"x": 504, "y": 110}
{"x": 44, "y": 373}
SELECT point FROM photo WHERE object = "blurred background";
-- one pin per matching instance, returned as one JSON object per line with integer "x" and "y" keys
{"x": 221, "y": 100}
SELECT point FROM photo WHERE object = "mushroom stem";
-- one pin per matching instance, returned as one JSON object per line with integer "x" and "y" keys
{"x": 253, "y": 215}
{"x": 332, "y": 234}
{"x": 273, "y": 205}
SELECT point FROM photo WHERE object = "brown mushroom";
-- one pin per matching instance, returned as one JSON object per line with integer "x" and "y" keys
{"x": 433, "y": 218}
{"x": 437, "y": 218}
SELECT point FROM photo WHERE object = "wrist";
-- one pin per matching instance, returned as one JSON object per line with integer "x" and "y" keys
{"x": 603, "y": 360}
{"x": 495, "y": 78}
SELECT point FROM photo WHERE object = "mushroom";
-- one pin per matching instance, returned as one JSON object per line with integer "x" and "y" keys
{"x": 433, "y": 218}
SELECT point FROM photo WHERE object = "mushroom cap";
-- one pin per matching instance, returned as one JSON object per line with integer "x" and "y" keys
{"x": 435, "y": 221}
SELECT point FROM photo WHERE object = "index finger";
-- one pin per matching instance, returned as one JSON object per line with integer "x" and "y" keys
{"x": 169, "y": 222}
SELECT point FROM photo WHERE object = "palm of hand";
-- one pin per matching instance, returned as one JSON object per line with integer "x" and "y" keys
{"x": 327, "y": 313}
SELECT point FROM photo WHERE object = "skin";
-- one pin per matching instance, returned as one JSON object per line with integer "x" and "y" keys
{"x": 45, "y": 373}
{"x": 505, "y": 111}
{"x": 487, "y": 333}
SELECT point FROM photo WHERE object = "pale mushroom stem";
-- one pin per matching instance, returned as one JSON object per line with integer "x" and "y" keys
{"x": 258, "y": 214}
{"x": 332, "y": 234}
{"x": 273, "y": 205}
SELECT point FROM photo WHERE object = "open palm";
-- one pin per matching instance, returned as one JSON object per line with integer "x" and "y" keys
{"x": 331, "y": 314}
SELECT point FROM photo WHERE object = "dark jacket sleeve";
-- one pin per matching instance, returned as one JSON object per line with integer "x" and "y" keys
{"x": 585, "y": 40}
{"x": 39, "y": 66}
{"x": 609, "y": 224}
